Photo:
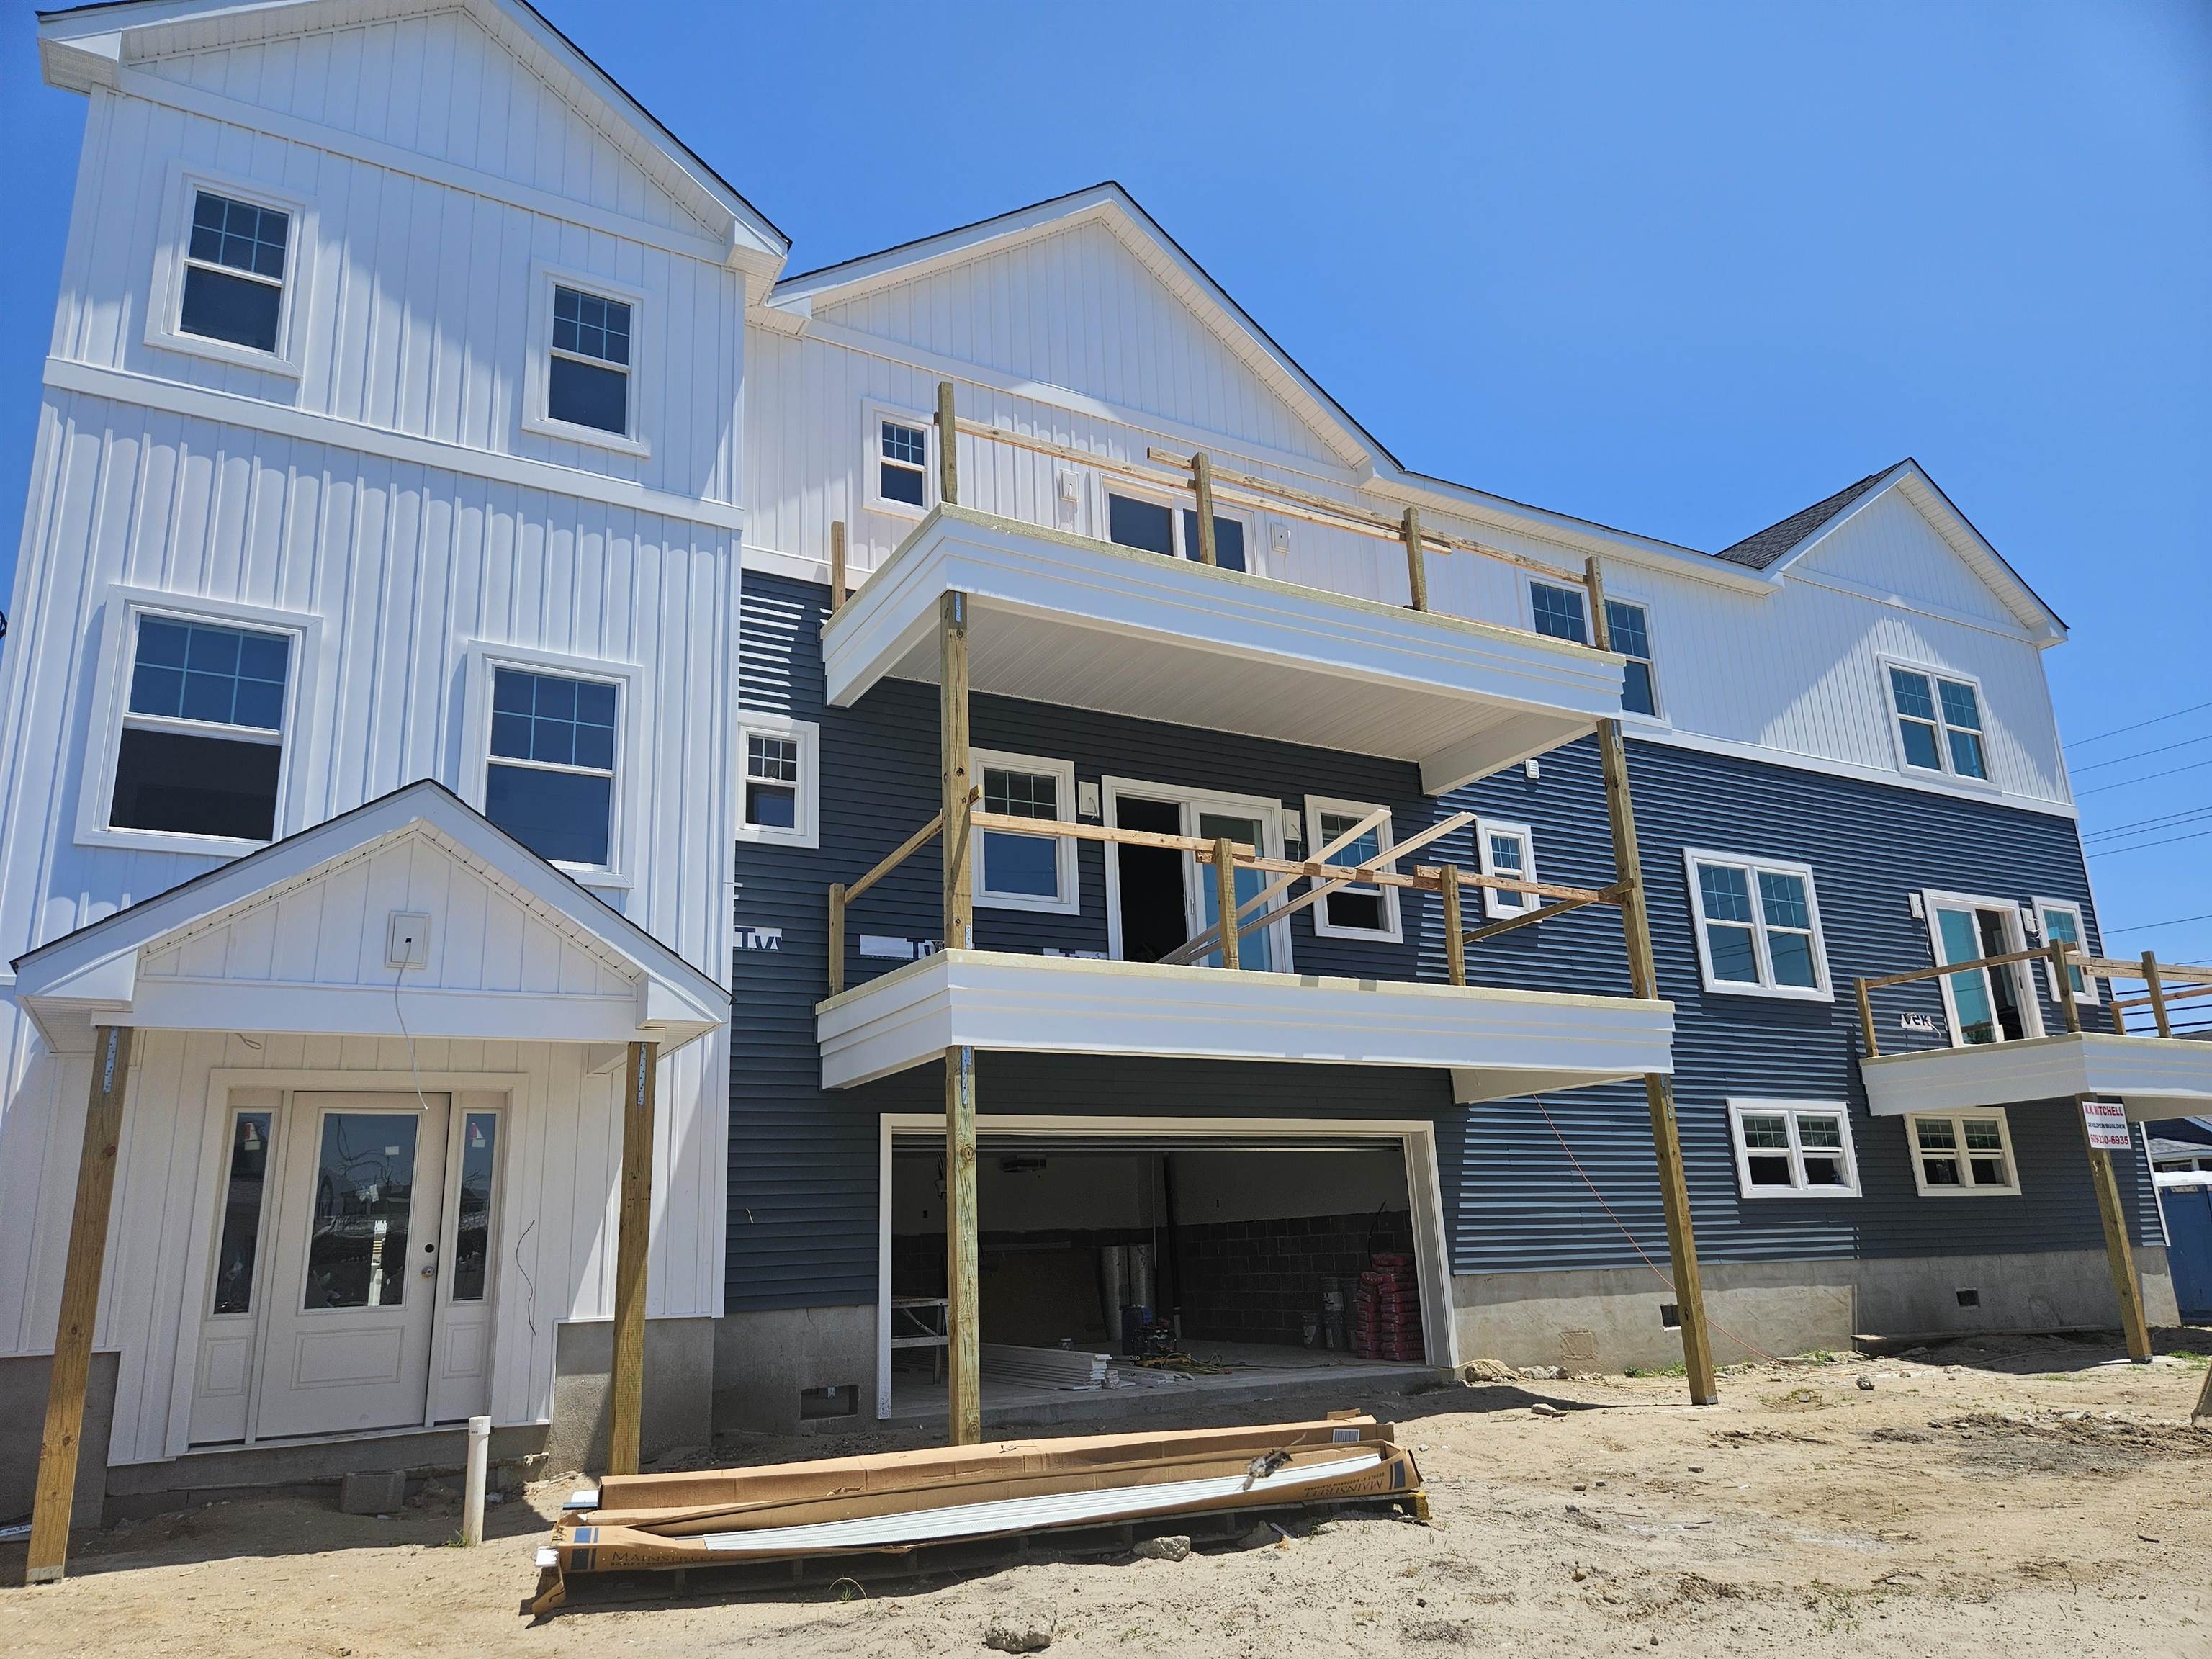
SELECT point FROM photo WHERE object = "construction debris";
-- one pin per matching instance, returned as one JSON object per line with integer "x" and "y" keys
{"x": 1049, "y": 1368}
{"x": 899, "y": 1502}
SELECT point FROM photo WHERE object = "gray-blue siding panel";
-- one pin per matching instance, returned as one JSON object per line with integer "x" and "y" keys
{"x": 803, "y": 1201}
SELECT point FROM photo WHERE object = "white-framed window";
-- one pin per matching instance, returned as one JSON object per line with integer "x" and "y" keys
{"x": 900, "y": 477}
{"x": 1558, "y": 612}
{"x": 1154, "y": 524}
{"x": 1359, "y": 911}
{"x": 1962, "y": 1154}
{"x": 1937, "y": 719}
{"x": 1758, "y": 926}
{"x": 1995, "y": 1003}
{"x": 1025, "y": 872}
{"x": 780, "y": 773}
{"x": 1506, "y": 852}
{"x": 587, "y": 359}
{"x": 1793, "y": 1149}
{"x": 551, "y": 755}
{"x": 230, "y": 277}
{"x": 2060, "y": 922}
{"x": 196, "y": 710}
{"x": 1628, "y": 628}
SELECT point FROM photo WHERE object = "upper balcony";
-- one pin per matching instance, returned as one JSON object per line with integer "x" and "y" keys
{"x": 1062, "y": 619}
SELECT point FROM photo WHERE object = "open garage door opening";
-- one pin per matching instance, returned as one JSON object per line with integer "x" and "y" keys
{"x": 1191, "y": 1261}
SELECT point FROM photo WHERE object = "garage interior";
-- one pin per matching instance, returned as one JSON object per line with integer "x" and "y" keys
{"x": 1247, "y": 1239}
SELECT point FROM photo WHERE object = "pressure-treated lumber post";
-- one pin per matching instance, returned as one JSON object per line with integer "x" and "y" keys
{"x": 1224, "y": 896}
{"x": 2061, "y": 982}
{"x": 964, "y": 1356}
{"x": 1201, "y": 486}
{"x": 2157, "y": 1008}
{"x": 1866, "y": 1020}
{"x": 952, "y": 755}
{"x": 948, "y": 446}
{"x": 836, "y": 937}
{"x": 626, "y": 1412}
{"x": 2119, "y": 1253}
{"x": 1455, "y": 943}
{"x": 56, "y": 1494}
{"x": 1417, "y": 568}
{"x": 837, "y": 564}
{"x": 1658, "y": 1091}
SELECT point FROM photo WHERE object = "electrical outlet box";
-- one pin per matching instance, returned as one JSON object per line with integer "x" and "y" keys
{"x": 1086, "y": 802}
{"x": 407, "y": 940}
{"x": 1531, "y": 770}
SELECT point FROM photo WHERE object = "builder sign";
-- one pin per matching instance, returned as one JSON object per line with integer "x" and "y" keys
{"x": 2108, "y": 1125}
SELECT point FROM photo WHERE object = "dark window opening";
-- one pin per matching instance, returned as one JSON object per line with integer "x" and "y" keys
{"x": 1146, "y": 525}
{"x": 195, "y": 785}
{"x": 1152, "y": 901}
{"x": 1227, "y": 540}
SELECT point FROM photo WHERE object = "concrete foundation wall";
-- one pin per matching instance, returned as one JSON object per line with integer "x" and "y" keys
{"x": 23, "y": 1383}
{"x": 679, "y": 1390}
{"x": 763, "y": 1359}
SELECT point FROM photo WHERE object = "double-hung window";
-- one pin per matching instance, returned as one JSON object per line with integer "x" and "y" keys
{"x": 1938, "y": 719}
{"x": 587, "y": 378}
{"x": 780, "y": 784}
{"x": 1558, "y": 612}
{"x": 901, "y": 462}
{"x": 1789, "y": 1148}
{"x": 549, "y": 779}
{"x": 1357, "y": 911}
{"x": 1628, "y": 628}
{"x": 202, "y": 748}
{"x": 234, "y": 266}
{"x": 1962, "y": 1152}
{"x": 1026, "y": 872}
{"x": 1154, "y": 527}
{"x": 2061, "y": 924}
{"x": 1759, "y": 926}
{"x": 1507, "y": 852}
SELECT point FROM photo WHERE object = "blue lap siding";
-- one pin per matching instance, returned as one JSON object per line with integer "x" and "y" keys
{"x": 1568, "y": 1181}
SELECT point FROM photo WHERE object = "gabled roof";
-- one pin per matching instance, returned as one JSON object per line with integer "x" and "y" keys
{"x": 85, "y": 46}
{"x": 1778, "y": 541}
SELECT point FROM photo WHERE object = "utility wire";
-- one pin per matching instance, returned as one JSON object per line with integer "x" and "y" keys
{"x": 2145, "y": 754}
{"x": 2164, "y": 821}
{"x": 2171, "y": 921}
{"x": 2146, "y": 777}
{"x": 2137, "y": 847}
{"x": 2156, "y": 720}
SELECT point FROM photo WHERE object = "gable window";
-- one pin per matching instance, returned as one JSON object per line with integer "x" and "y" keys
{"x": 781, "y": 785}
{"x": 1962, "y": 1152}
{"x": 901, "y": 462}
{"x": 588, "y": 379}
{"x": 1359, "y": 911}
{"x": 1939, "y": 723}
{"x": 1026, "y": 872}
{"x": 1154, "y": 527}
{"x": 202, "y": 746}
{"x": 1759, "y": 926}
{"x": 234, "y": 263}
{"x": 1558, "y": 612}
{"x": 550, "y": 779}
{"x": 1629, "y": 629}
{"x": 1789, "y": 1149}
{"x": 2061, "y": 924}
{"x": 1507, "y": 852}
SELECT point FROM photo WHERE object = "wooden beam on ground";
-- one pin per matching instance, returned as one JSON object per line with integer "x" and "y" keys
{"x": 55, "y": 1495}
{"x": 1201, "y": 486}
{"x": 1455, "y": 934}
{"x": 1658, "y": 1090}
{"x": 955, "y": 761}
{"x": 632, "y": 1237}
{"x": 965, "y": 1351}
{"x": 948, "y": 447}
{"x": 2119, "y": 1252}
{"x": 836, "y": 565}
{"x": 1417, "y": 568}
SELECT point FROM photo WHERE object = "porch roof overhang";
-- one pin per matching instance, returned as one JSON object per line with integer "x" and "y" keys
{"x": 165, "y": 963}
{"x": 1498, "y": 1044}
{"x": 1059, "y": 618}
{"x": 2156, "y": 1077}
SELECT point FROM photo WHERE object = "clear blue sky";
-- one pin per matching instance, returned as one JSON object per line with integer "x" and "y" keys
{"x": 1684, "y": 270}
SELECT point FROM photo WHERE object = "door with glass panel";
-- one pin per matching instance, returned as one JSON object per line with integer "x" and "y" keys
{"x": 1255, "y": 950}
{"x": 351, "y": 1297}
{"x": 1986, "y": 1004}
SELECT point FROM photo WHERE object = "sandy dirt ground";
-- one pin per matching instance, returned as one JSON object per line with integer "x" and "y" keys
{"x": 2026, "y": 1495}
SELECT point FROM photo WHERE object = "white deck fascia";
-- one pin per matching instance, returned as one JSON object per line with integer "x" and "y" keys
{"x": 1059, "y": 617}
{"x": 1498, "y": 1043}
{"x": 2157, "y": 1076}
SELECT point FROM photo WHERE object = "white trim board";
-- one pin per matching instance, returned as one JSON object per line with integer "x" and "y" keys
{"x": 2157, "y": 1076}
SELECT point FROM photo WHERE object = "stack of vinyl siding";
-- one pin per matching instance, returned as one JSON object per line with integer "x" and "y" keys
{"x": 1049, "y": 1368}
{"x": 899, "y": 1501}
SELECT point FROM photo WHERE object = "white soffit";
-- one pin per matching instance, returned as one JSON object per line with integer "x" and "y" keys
{"x": 2157, "y": 1076}
{"x": 1060, "y": 619}
{"x": 1504, "y": 1043}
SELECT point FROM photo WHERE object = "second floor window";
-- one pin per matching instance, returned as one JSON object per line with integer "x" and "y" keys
{"x": 1758, "y": 929}
{"x": 202, "y": 740}
{"x": 550, "y": 778}
{"x": 234, "y": 287}
{"x": 1630, "y": 632}
{"x": 1558, "y": 612}
{"x": 1026, "y": 872}
{"x": 1357, "y": 911}
{"x": 1152, "y": 526}
{"x": 1508, "y": 853}
{"x": 1939, "y": 723}
{"x": 902, "y": 462}
{"x": 587, "y": 378}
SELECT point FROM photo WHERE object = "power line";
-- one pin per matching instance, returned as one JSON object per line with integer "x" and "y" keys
{"x": 2156, "y": 720}
{"x": 2171, "y": 921}
{"x": 2140, "y": 846}
{"x": 2146, "y": 777}
{"x": 2164, "y": 820}
{"x": 2145, "y": 754}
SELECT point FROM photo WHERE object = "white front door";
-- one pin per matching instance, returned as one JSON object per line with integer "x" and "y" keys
{"x": 346, "y": 1337}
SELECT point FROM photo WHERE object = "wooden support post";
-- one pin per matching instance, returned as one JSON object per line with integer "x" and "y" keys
{"x": 56, "y": 1494}
{"x": 1454, "y": 931}
{"x": 1201, "y": 486}
{"x": 626, "y": 1412}
{"x": 836, "y": 937}
{"x": 2062, "y": 981}
{"x": 948, "y": 447}
{"x": 2119, "y": 1253}
{"x": 1417, "y": 564}
{"x": 836, "y": 565}
{"x": 1224, "y": 896}
{"x": 1658, "y": 1091}
{"x": 965, "y": 1356}
{"x": 953, "y": 759}
{"x": 2157, "y": 1001}
{"x": 1866, "y": 1021}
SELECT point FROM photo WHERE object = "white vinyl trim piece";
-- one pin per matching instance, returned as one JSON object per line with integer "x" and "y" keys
{"x": 2157, "y": 1076}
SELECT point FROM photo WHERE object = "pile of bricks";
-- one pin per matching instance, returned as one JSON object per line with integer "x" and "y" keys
{"x": 1386, "y": 1310}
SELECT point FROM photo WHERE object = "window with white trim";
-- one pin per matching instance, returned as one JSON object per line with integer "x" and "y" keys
{"x": 779, "y": 763}
{"x": 1793, "y": 1149}
{"x": 202, "y": 748}
{"x": 1507, "y": 852}
{"x": 1628, "y": 629}
{"x": 549, "y": 779}
{"x": 587, "y": 377}
{"x": 901, "y": 462}
{"x": 1961, "y": 1153}
{"x": 2061, "y": 924}
{"x": 1155, "y": 527}
{"x": 1938, "y": 720}
{"x": 1026, "y": 872}
{"x": 1358, "y": 910}
{"x": 1559, "y": 613}
{"x": 1759, "y": 926}
{"x": 235, "y": 257}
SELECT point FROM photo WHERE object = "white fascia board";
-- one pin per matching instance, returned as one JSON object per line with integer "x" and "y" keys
{"x": 1072, "y": 1005}
{"x": 1225, "y": 614}
{"x": 2157, "y": 1076}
